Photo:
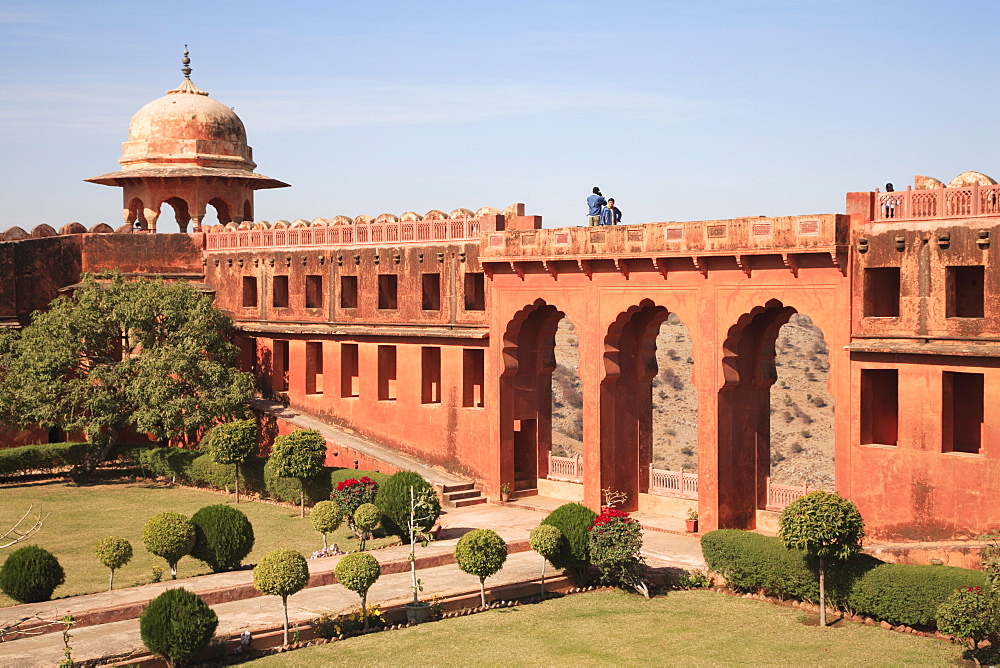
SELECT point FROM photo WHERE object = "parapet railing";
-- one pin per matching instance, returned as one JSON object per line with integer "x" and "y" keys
{"x": 780, "y": 496}
{"x": 965, "y": 202}
{"x": 680, "y": 484}
{"x": 360, "y": 234}
{"x": 565, "y": 468}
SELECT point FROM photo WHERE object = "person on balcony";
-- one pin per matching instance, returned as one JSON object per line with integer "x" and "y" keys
{"x": 610, "y": 214}
{"x": 594, "y": 204}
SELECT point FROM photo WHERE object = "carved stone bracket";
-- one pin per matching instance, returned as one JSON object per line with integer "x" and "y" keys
{"x": 621, "y": 264}
{"x": 700, "y": 264}
{"x": 743, "y": 262}
{"x": 660, "y": 264}
{"x": 791, "y": 263}
{"x": 550, "y": 267}
{"x": 518, "y": 269}
{"x": 586, "y": 268}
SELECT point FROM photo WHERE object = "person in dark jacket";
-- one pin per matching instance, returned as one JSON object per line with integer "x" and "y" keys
{"x": 610, "y": 215}
{"x": 594, "y": 205}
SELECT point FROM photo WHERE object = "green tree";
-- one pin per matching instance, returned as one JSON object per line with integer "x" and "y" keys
{"x": 366, "y": 518}
{"x": 545, "y": 540}
{"x": 177, "y": 625}
{"x": 326, "y": 517}
{"x": 169, "y": 536}
{"x": 299, "y": 455}
{"x": 281, "y": 573}
{"x": 826, "y": 525}
{"x": 113, "y": 552}
{"x": 123, "y": 353}
{"x": 232, "y": 443}
{"x": 358, "y": 571}
{"x": 481, "y": 552}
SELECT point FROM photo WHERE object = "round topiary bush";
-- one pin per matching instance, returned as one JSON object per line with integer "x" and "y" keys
{"x": 169, "y": 536}
{"x": 574, "y": 521}
{"x": 481, "y": 552}
{"x": 366, "y": 518}
{"x": 358, "y": 571}
{"x": 224, "y": 537}
{"x": 177, "y": 625}
{"x": 545, "y": 540}
{"x": 326, "y": 517}
{"x": 30, "y": 574}
{"x": 281, "y": 573}
{"x": 393, "y": 499}
{"x": 113, "y": 552}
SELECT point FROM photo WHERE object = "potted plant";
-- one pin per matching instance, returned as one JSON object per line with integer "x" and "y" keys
{"x": 418, "y": 611}
{"x": 504, "y": 492}
{"x": 692, "y": 520}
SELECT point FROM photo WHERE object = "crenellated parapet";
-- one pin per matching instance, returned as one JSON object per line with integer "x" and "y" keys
{"x": 45, "y": 230}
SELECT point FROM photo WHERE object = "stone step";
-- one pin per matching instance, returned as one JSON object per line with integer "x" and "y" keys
{"x": 525, "y": 484}
{"x": 521, "y": 493}
{"x": 466, "y": 494}
{"x": 473, "y": 501}
{"x": 458, "y": 487}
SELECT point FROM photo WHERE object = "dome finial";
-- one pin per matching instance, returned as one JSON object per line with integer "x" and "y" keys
{"x": 187, "y": 64}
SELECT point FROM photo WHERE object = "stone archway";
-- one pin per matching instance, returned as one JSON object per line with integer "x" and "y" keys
{"x": 626, "y": 396}
{"x": 182, "y": 213}
{"x": 526, "y": 394}
{"x": 744, "y": 414}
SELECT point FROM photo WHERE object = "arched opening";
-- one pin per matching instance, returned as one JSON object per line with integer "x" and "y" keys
{"x": 744, "y": 414}
{"x": 675, "y": 414}
{"x": 222, "y": 213}
{"x": 802, "y": 423}
{"x": 247, "y": 210}
{"x": 626, "y": 401}
{"x": 136, "y": 212}
{"x": 566, "y": 459}
{"x": 526, "y": 395}
{"x": 182, "y": 214}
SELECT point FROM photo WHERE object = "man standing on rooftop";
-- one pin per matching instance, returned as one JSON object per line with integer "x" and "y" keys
{"x": 610, "y": 215}
{"x": 594, "y": 204}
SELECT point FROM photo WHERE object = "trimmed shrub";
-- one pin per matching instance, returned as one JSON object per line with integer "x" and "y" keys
{"x": 353, "y": 493}
{"x": 169, "y": 536}
{"x": 232, "y": 443}
{"x": 910, "y": 595}
{"x": 574, "y": 521}
{"x": 168, "y": 462}
{"x": 30, "y": 574}
{"x": 290, "y": 490}
{"x": 204, "y": 470}
{"x": 545, "y": 539}
{"x": 971, "y": 614}
{"x": 281, "y": 573}
{"x": 113, "y": 552}
{"x": 44, "y": 457}
{"x": 177, "y": 625}
{"x": 358, "y": 571}
{"x": 224, "y": 537}
{"x": 366, "y": 518}
{"x": 481, "y": 552}
{"x": 393, "y": 499}
{"x": 615, "y": 545}
{"x": 299, "y": 455}
{"x": 326, "y": 517}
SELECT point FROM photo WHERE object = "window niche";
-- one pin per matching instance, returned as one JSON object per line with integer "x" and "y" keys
{"x": 430, "y": 375}
{"x": 964, "y": 291}
{"x": 962, "y": 412}
{"x": 881, "y": 297}
{"x": 475, "y": 292}
{"x": 388, "y": 285}
{"x": 314, "y": 291}
{"x": 249, "y": 292}
{"x": 348, "y": 292}
{"x": 279, "y": 297}
{"x": 473, "y": 373}
{"x": 314, "y": 367}
{"x": 430, "y": 292}
{"x": 879, "y": 407}
{"x": 387, "y": 373}
{"x": 349, "y": 376}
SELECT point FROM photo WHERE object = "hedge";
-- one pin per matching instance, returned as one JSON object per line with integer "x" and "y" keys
{"x": 44, "y": 457}
{"x": 316, "y": 488}
{"x": 864, "y": 585}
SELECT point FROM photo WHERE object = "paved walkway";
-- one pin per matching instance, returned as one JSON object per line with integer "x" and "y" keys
{"x": 121, "y": 638}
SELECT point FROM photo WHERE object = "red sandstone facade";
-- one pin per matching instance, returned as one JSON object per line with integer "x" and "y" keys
{"x": 434, "y": 334}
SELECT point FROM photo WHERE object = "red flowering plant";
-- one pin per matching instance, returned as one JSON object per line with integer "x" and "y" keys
{"x": 615, "y": 543}
{"x": 352, "y": 493}
{"x": 972, "y": 616}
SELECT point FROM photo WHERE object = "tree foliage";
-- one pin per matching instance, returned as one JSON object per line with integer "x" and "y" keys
{"x": 113, "y": 552}
{"x": 232, "y": 443}
{"x": 326, "y": 517}
{"x": 615, "y": 547}
{"x": 481, "y": 552}
{"x": 177, "y": 625}
{"x": 366, "y": 518}
{"x": 123, "y": 353}
{"x": 826, "y": 525}
{"x": 169, "y": 536}
{"x": 358, "y": 571}
{"x": 281, "y": 573}
{"x": 299, "y": 454}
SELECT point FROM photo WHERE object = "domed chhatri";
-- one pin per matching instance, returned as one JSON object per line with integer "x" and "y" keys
{"x": 189, "y": 151}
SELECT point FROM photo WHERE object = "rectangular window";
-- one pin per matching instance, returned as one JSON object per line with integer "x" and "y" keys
{"x": 430, "y": 375}
{"x": 349, "y": 378}
{"x": 964, "y": 292}
{"x": 430, "y": 288}
{"x": 387, "y": 373}
{"x": 475, "y": 292}
{"x": 280, "y": 296}
{"x": 881, "y": 299}
{"x": 249, "y": 291}
{"x": 348, "y": 292}
{"x": 314, "y": 291}
{"x": 314, "y": 367}
{"x": 962, "y": 412}
{"x": 473, "y": 360}
{"x": 879, "y": 406}
{"x": 281, "y": 366}
{"x": 387, "y": 284}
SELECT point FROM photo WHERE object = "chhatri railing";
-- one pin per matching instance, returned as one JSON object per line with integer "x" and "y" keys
{"x": 682, "y": 484}
{"x": 965, "y": 202}
{"x": 568, "y": 469}
{"x": 355, "y": 234}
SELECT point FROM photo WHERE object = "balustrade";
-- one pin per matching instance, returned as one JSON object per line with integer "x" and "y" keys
{"x": 565, "y": 468}
{"x": 966, "y": 202}
{"x": 680, "y": 484}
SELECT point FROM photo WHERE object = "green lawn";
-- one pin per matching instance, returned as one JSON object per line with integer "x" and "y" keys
{"x": 82, "y": 515}
{"x": 611, "y": 628}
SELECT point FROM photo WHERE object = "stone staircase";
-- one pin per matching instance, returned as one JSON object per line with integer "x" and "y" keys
{"x": 461, "y": 495}
{"x": 523, "y": 486}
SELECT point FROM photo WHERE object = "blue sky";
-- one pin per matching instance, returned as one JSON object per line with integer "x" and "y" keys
{"x": 679, "y": 110}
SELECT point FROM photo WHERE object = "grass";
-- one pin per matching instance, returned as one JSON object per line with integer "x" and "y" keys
{"x": 612, "y": 628}
{"x": 82, "y": 515}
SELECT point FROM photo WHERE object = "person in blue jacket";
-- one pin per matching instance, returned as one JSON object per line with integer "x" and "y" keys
{"x": 594, "y": 205}
{"x": 610, "y": 215}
